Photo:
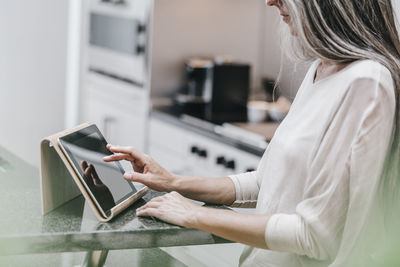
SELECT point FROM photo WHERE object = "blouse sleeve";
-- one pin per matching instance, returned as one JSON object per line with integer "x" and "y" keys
{"x": 246, "y": 188}
{"x": 344, "y": 175}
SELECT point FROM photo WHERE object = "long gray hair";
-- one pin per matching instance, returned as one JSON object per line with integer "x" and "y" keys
{"x": 343, "y": 31}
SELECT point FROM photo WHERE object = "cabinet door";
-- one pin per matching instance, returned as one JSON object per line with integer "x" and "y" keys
{"x": 172, "y": 163}
{"x": 118, "y": 109}
{"x": 117, "y": 125}
{"x": 167, "y": 146}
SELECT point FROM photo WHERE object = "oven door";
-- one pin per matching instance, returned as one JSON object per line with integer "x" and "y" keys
{"x": 118, "y": 39}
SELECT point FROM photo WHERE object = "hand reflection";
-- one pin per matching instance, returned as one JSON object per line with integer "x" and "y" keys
{"x": 99, "y": 190}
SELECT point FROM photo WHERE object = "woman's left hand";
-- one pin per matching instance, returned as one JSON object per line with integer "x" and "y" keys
{"x": 248, "y": 229}
{"x": 172, "y": 208}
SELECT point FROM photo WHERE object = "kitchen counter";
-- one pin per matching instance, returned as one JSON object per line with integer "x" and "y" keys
{"x": 259, "y": 134}
{"x": 73, "y": 226}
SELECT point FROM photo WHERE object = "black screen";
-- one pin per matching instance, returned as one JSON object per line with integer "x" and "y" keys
{"x": 86, "y": 149}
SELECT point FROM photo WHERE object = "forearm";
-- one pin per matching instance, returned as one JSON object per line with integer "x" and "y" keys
{"x": 209, "y": 190}
{"x": 174, "y": 208}
{"x": 248, "y": 229}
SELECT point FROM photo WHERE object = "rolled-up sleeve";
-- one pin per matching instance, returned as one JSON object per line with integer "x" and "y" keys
{"x": 246, "y": 188}
{"x": 282, "y": 231}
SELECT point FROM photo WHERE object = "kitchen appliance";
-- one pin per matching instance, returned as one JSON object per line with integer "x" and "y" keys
{"x": 199, "y": 81}
{"x": 215, "y": 91}
{"x": 231, "y": 83}
{"x": 117, "y": 38}
{"x": 115, "y": 76}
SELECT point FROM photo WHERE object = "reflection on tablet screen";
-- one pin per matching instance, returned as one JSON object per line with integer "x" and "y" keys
{"x": 103, "y": 179}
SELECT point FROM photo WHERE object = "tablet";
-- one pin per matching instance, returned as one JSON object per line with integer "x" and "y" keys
{"x": 103, "y": 181}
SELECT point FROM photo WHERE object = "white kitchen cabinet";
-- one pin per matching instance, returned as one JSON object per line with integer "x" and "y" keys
{"x": 167, "y": 145}
{"x": 119, "y": 110}
{"x": 171, "y": 145}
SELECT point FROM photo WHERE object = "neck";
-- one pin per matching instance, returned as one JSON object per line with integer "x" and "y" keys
{"x": 327, "y": 68}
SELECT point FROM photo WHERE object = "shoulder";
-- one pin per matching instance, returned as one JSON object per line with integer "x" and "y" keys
{"x": 368, "y": 76}
{"x": 370, "y": 70}
{"x": 372, "y": 83}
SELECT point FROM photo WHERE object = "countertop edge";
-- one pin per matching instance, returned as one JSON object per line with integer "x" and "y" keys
{"x": 223, "y": 139}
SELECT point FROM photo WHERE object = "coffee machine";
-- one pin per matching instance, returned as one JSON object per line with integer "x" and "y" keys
{"x": 216, "y": 91}
{"x": 198, "y": 84}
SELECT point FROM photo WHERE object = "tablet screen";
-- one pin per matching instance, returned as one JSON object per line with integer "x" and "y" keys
{"x": 86, "y": 149}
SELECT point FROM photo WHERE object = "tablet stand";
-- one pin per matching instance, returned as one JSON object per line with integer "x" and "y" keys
{"x": 60, "y": 183}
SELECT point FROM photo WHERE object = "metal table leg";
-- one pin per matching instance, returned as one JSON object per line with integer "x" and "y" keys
{"x": 95, "y": 258}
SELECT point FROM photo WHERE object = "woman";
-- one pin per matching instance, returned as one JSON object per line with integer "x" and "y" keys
{"x": 317, "y": 185}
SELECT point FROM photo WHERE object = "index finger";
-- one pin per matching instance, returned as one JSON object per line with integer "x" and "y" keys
{"x": 118, "y": 157}
{"x": 136, "y": 154}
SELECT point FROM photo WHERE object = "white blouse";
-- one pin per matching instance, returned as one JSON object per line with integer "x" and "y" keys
{"x": 320, "y": 174}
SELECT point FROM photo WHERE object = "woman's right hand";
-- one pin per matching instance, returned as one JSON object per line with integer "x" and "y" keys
{"x": 146, "y": 170}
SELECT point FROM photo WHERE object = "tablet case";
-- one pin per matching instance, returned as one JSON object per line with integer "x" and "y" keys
{"x": 60, "y": 183}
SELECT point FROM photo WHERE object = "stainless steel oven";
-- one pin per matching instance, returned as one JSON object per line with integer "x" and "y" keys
{"x": 118, "y": 37}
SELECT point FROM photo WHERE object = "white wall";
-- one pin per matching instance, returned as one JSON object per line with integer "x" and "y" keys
{"x": 270, "y": 42}
{"x": 187, "y": 28}
{"x": 247, "y": 30}
{"x": 33, "y": 39}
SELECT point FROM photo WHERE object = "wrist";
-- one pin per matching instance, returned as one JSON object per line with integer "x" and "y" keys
{"x": 175, "y": 183}
{"x": 196, "y": 217}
